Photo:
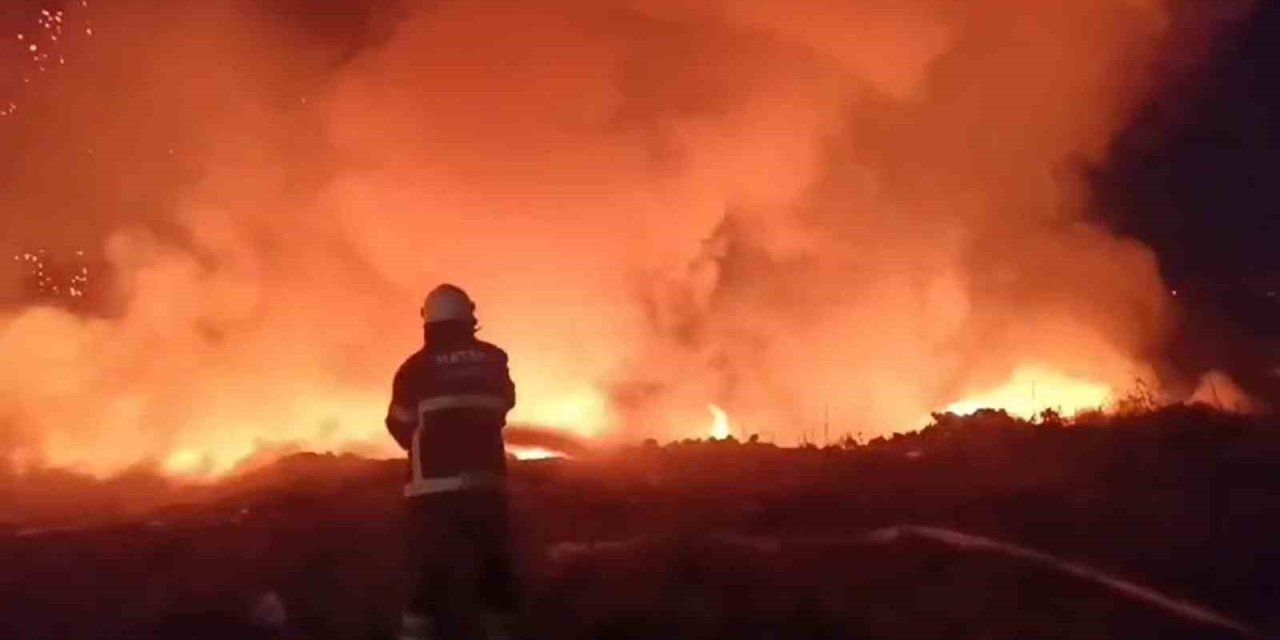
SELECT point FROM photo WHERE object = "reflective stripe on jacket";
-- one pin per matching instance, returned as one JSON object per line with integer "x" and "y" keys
{"x": 448, "y": 409}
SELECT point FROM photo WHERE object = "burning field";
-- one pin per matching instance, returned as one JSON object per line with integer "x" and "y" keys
{"x": 1152, "y": 526}
{"x": 814, "y": 222}
{"x": 837, "y": 216}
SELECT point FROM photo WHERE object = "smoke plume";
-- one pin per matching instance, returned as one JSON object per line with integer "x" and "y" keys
{"x": 844, "y": 212}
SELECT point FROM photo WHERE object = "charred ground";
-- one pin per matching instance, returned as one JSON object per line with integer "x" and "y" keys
{"x": 712, "y": 539}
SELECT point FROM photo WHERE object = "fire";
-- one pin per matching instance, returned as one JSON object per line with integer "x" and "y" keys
{"x": 1031, "y": 390}
{"x": 858, "y": 211}
{"x": 533, "y": 453}
{"x": 188, "y": 463}
{"x": 581, "y": 411}
{"x": 720, "y": 428}
{"x": 218, "y": 461}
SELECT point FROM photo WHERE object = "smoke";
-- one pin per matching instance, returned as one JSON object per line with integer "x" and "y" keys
{"x": 863, "y": 210}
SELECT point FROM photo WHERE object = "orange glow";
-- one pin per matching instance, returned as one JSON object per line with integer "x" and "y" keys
{"x": 720, "y": 427}
{"x": 582, "y": 411}
{"x": 188, "y": 463}
{"x": 533, "y": 453}
{"x": 1031, "y": 390}
{"x": 812, "y": 212}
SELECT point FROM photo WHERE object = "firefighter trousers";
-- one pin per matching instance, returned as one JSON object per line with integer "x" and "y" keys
{"x": 460, "y": 550}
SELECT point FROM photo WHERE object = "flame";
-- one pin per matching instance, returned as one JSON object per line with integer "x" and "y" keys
{"x": 225, "y": 458}
{"x": 720, "y": 428}
{"x": 794, "y": 212}
{"x": 533, "y": 453}
{"x": 188, "y": 463}
{"x": 582, "y": 411}
{"x": 1031, "y": 390}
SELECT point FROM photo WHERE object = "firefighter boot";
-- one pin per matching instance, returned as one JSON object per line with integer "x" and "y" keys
{"x": 499, "y": 626}
{"x": 415, "y": 626}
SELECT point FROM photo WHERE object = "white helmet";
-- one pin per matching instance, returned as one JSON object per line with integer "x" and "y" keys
{"x": 447, "y": 302}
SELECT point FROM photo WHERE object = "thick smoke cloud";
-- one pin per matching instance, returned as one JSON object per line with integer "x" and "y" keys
{"x": 864, "y": 210}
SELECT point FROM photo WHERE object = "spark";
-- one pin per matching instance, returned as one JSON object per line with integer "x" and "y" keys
{"x": 50, "y": 282}
{"x": 43, "y": 49}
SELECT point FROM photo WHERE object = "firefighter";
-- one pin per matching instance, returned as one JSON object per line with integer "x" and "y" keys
{"x": 448, "y": 408}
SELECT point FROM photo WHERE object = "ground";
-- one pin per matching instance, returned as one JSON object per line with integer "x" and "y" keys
{"x": 719, "y": 539}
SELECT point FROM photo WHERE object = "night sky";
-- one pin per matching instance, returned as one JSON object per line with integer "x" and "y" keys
{"x": 1204, "y": 193}
{"x": 1195, "y": 177}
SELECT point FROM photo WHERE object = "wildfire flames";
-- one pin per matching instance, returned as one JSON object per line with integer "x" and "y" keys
{"x": 720, "y": 428}
{"x": 864, "y": 210}
{"x": 1031, "y": 391}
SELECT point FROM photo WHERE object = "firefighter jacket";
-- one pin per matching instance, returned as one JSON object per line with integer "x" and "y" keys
{"x": 449, "y": 404}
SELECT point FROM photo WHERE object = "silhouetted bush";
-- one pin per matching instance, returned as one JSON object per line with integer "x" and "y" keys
{"x": 1182, "y": 499}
